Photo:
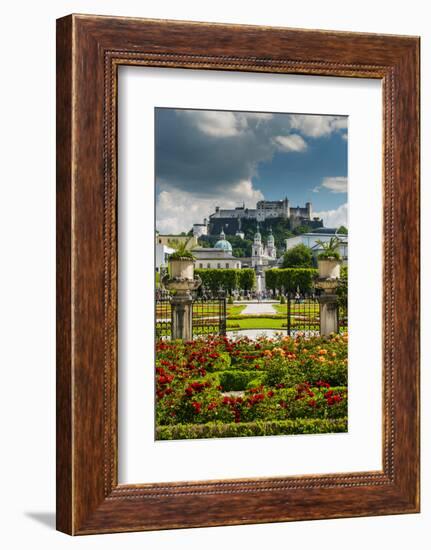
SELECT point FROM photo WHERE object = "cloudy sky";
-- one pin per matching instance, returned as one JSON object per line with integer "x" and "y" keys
{"x": 222, "y": 158}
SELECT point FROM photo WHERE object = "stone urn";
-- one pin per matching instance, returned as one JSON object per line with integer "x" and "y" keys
{"x": 329, "y": 268}
{"x": 182, "y": 268}
{"x": 327, "y": 282}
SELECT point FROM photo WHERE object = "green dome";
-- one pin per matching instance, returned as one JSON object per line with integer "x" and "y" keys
{"x": 223, "y": 244}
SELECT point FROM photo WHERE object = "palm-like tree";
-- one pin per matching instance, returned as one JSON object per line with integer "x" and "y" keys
{"x": 330, "y": 249}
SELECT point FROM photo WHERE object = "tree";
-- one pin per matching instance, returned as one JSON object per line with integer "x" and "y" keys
{"x": 301, "y": 229}
{"x": 342, "y": 230}
{"x": 290, "y": 279}
{"x": 298, "y": 256}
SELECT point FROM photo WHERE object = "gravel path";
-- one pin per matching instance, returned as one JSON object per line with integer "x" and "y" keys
{"x": 262, "y": 308}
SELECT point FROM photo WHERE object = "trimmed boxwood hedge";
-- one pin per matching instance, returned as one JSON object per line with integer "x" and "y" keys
{"x": 237, "y": 380}
{"x": 290, "y": 279}
{"x": 257, "y": 428}
{"x": 228, "y": 279}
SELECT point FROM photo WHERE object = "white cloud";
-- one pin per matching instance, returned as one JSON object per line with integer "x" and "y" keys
{"x": 334, "y": 218}
{"x": 335, "y": 184}
{"x": 259, "y": 116}
{"x": 216, "y": 123}
{"x": 178, "y": 210}
{"x": 293, "y": 142}
{"x": 317, "y": 125}
{"x": 340, "y": 122}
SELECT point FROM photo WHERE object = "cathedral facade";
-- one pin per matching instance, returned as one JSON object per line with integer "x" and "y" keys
{"x": 262, "y": 254}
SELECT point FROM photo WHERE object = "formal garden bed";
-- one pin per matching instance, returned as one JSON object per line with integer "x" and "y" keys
{"x": 221, "y": 387}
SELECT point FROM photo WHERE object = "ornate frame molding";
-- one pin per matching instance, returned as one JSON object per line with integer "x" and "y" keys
{"x": 90, "y": 50}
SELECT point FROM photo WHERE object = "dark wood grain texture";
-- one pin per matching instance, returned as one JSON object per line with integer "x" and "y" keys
{"x": 89, "y": 51}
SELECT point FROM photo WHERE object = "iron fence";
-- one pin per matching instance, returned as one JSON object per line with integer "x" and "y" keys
{"x": 302, "y": 314}
{"x": 163, "y": 314}
{"x": 208, "y": 314}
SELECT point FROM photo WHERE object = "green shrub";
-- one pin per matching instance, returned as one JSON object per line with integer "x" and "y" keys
{"x": 258, "y": 428}
{"x": 290, "y": 279}
{"x": 282, "y": 299}
{"x": 237, "y": 380}
{"x": 298, "y": 256}
{"x": 227, "y": 279}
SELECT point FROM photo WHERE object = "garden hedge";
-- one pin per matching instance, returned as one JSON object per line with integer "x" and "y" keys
{"x": 290, "y": 279}
{"x": 228, "y": 279}
{"x": 257, "y": 428}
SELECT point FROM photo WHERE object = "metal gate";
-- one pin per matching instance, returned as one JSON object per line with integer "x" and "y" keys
{"x": 163, "y": 314}
{"x": 209, "y": 315}
{"x": 302, "y": 314}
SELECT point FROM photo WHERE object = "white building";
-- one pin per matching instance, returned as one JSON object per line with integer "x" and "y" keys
{"x": 200, "y": 229}
{"x": 219, "y": 257}
{"x": 162, "y": 254}
{"x": 323, "y": 234}
{"x": 165, "y": 247}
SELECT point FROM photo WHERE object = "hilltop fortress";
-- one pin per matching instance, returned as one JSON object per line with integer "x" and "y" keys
{"x": 230, "y": 220}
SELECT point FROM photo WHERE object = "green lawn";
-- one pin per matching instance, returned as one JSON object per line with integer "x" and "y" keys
{"x": 264, "y": 322}
{"x": 232, "y": 309}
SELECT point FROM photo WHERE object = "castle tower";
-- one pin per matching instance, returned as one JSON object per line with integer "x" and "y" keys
{"x": 239, "y": 233}
{"x": 286, "y": 209}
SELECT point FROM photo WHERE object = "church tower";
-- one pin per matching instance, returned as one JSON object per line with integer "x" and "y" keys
{"x": 271, "y": 248}
{"x": 257, "y": 249}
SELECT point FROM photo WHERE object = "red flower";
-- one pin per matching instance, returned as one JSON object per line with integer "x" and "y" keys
{"x": 312, "y": 403}
{"x": 197, "y": 407}
{"x": 165, "y": 379}
{"x": 270, "y": 393}
{"x": 335, "y": 399}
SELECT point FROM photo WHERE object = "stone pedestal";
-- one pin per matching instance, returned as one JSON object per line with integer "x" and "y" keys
{"x": 182, "y": 316}
{"x": 182, "y": 300}
{"x": 328, "y": 314}
{"x": 328, "y": 302}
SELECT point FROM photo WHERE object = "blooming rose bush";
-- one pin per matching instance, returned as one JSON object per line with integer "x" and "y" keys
{"x": 222, "y": 380}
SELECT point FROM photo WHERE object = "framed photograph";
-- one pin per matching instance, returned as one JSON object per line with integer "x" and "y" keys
{"x": 237, "y": 274}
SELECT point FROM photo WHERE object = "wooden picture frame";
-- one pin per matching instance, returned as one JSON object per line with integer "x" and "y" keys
{"x": 89, "y": 51}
